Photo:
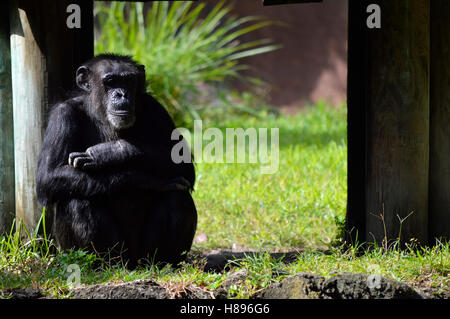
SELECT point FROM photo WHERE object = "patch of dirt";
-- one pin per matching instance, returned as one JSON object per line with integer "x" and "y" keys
{"x": 145, "y": 289}
{"x": 141, "y": 289}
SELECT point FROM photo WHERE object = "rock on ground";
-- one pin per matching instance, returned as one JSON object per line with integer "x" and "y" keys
{"x": 341, "y": 286}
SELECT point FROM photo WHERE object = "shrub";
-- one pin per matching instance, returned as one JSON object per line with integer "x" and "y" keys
{"x": 181, "y": 45}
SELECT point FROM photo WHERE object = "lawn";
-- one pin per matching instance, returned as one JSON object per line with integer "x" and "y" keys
{"x": 299, "y": 207}
{"x": 296, "y": 207}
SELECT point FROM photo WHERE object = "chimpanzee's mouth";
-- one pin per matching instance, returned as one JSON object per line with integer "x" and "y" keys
{"x": 121, "y": 113}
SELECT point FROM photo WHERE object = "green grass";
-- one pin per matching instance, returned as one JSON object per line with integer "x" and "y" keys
{"x": 301, "y": 206}
{"x": 294, "y": 208}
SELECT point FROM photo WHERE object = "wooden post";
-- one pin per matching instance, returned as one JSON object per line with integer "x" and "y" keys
{"x": 7, "y": 201}
{"x": 45, "y": 54}
{"x": 355, "y": 221}
{"x": 398, "y": 123}
{"x": 440, "y": 121}
{"x": 392, "y": 89}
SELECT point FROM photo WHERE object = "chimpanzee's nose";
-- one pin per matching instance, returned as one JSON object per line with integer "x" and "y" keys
{"x": 120, "y": 94}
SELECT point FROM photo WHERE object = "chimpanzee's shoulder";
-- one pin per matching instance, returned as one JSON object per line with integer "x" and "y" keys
{"x": 150, "y": 101}
{"x": 72, "y": 105}
{"x": 152, "y": 107}
{"x": 69, "y": 110}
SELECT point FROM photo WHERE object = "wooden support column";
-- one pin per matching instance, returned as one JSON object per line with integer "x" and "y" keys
{"x": 440, "y": 121}
{"x": 45, "y": 54}
{"x": 7, "y": 201}
{"x": 390, "y": 94}
{"x": 358, "y": 48}
{"x": 398, "y": 123}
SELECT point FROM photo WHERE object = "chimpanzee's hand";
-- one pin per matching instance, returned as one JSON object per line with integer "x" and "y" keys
{"x": 82, "y": 160}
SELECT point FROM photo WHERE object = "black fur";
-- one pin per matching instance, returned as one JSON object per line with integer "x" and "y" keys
{"x": 106, "y": 165}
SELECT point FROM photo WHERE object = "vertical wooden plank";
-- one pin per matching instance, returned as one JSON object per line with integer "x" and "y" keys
{"x": 7, "y": 200}
{"x": 358, "y": 47}
{"x": 398, "y": 122}
{"x": 29, "y": 106}
{"x": 45, "y": 54}
{"x": 440, "y": 121}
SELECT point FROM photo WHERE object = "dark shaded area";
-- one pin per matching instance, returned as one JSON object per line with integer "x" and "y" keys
{"x": 439, "y": 194}
{"x": 19, "y": 293}
{"x": 218, "y": 262}
{"x": 355, "y": 224}
{"x": 73, "y": 42}
{"x": 7, "y": 176}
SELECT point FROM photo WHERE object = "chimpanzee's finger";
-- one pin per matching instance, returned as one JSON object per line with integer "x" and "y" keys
{"x": 74, "y": 155}
{"x": 79, "y": 162}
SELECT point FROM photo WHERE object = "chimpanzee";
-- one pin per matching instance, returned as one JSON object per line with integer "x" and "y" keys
{"x": 106, "y": 168}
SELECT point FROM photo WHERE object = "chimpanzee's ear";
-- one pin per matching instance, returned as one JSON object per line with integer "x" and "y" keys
{"x": 83, "y": 78}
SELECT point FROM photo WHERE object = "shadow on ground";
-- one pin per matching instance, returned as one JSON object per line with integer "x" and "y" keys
{"x": 218, "y": 261}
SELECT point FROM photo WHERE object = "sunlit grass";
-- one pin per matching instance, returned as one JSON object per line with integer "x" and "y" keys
{"x": 295, "y": 207}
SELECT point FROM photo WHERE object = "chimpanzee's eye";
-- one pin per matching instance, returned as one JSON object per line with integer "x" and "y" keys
{"x": 122, "y": 80}
{"x": 109, "y": 82}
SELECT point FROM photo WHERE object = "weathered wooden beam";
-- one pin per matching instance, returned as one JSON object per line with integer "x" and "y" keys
{"x": 45, "y": 54}
{"x": 440, "y": 121}
{"x": 7, "y": 201}
{"x": 29, "y": 104}
{"x": 397, "y": 122}
{"x": 391, "y": 90}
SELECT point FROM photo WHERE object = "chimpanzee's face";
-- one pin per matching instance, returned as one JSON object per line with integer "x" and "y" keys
{"x": 113, "y": 87}
{"x": 119, "y": 86}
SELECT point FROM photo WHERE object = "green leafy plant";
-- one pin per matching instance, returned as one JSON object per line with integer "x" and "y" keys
{"x": 181, "y": 45}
